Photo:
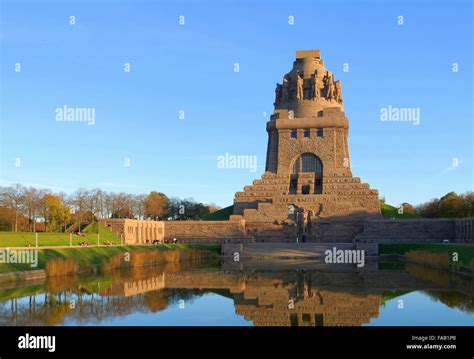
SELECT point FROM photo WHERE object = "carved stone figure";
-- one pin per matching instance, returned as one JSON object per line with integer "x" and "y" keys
{"x": 292, "y": 89}
{"x": 314, "y": 85}
{"x": 278, "y": 94}
{"x": 299, "y": 87}
{"x": 286, "y": 89}
{"x": 329, "y": 86}
{"x": 338, "y": 91}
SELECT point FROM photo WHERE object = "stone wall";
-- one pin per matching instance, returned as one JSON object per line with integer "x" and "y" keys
{"x": 408, "y": 230}
{"x": 271, "y": 232}
{"x": 204, "y": 231}
{"x": 464, "y": 230}
{"x": 335, "y": 230}
{"x": 318, "y": 230}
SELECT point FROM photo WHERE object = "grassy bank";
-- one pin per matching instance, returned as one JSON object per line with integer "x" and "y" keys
{"x": 420, "y": 252}
{"x": 48, "y": 239}
{"x": 389, "y": 211}
{"x": 97, "y": 256}
{"x": 221, "y": 215}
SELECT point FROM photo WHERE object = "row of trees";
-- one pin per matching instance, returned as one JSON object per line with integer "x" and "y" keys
{"x": 450, "y": 205}
{"x": 32, "y": 209}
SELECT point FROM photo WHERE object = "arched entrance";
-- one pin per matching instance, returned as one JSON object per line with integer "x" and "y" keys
{"x": 310, "y": 164}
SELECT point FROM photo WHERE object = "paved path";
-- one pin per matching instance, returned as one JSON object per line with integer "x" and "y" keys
{"x": 89, "y": 246}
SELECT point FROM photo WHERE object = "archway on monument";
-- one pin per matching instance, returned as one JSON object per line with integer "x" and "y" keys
{"x": 306, "y": 163}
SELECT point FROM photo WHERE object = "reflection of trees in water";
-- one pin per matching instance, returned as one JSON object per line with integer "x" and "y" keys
{"x": 55, "y": 309}
{"x": 319, "y": 298}
{"x": 462, "y": 295}
{"x": 91, "y": 299}
{"x": 456, "y": 300}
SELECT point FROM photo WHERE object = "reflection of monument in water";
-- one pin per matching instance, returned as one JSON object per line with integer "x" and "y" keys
{"x": 276, "y": 303}
{"x": 280, "y": 298}
{"x": 297, "y": 298}
{"x": 275, "y": 298}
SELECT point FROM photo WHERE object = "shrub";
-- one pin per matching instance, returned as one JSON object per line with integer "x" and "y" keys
{"x": 56, "y": 267}
{"x": 425, "y": 257}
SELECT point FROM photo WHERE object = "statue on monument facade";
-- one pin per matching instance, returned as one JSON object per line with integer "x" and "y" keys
{"x": 278, "y": 93}
{"x": 338, "y": 91}
{"x": 314, "y": 85}
{"x": 329, "y": 86}
{"x": 299, "y": 87}
{"x": 286, "y": 89}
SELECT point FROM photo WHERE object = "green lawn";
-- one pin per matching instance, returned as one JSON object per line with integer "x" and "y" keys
{"x": 221, "y": 215}
{"x": 25, "y": 239}
{"x": 104, "y": 234}
{"x": 465, "y": 252}
{"x": 389, "y": 211}
{"x": 96, "y": 256}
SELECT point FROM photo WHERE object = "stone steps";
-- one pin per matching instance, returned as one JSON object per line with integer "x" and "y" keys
{"x": 281, "y": 188}
{"x": 285, "y": 187}
{"x": 340, "y": 196}
{"x": 343, "y": 180}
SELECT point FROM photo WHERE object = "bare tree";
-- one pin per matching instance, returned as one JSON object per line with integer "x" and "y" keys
{"x": 13, "y": 197}
{"x": 80, "y": 203}
{"x": 139, "y": 208}
{"x": 92, "y": 202}
{"x": 101, "y": 202}
{"x": 32, "y": 200}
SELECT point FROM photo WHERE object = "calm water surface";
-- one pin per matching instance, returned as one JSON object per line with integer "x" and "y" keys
{"x": 214, "y": 294}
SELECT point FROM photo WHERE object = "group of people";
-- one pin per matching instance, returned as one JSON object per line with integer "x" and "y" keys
{"x": 159, "y": 241}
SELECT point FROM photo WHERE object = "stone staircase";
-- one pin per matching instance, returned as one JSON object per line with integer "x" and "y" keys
{"x": 268, "y": 198}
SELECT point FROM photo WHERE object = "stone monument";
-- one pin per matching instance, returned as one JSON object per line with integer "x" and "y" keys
{"x": 308, "y": 168}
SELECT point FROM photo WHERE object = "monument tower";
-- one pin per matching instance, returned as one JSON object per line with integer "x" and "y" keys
{"x": 308, "y": 164}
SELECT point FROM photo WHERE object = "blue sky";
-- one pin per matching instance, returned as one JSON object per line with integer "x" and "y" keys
{"x": 190, "y": 68}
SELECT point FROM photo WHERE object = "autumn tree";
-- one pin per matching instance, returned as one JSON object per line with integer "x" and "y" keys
{"x": 54, "y": 211}
{"x": 468, "y": 204}
{"x": 13, "y": 197}
{"x": 450, "y": 205}
{"x": 155, "y": 205}
{"x": 408, "y": 208}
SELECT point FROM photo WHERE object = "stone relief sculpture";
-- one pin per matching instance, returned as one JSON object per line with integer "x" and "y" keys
{"x": 314, "y": 85}
{"x": 338, "y": 91}
{"x": 329, "y": 86}
{"x": 299, "y": 87}
{"x": 286, "y": 89}
{"x": 278, "y": 94}
{"x": 292, "y": 94}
